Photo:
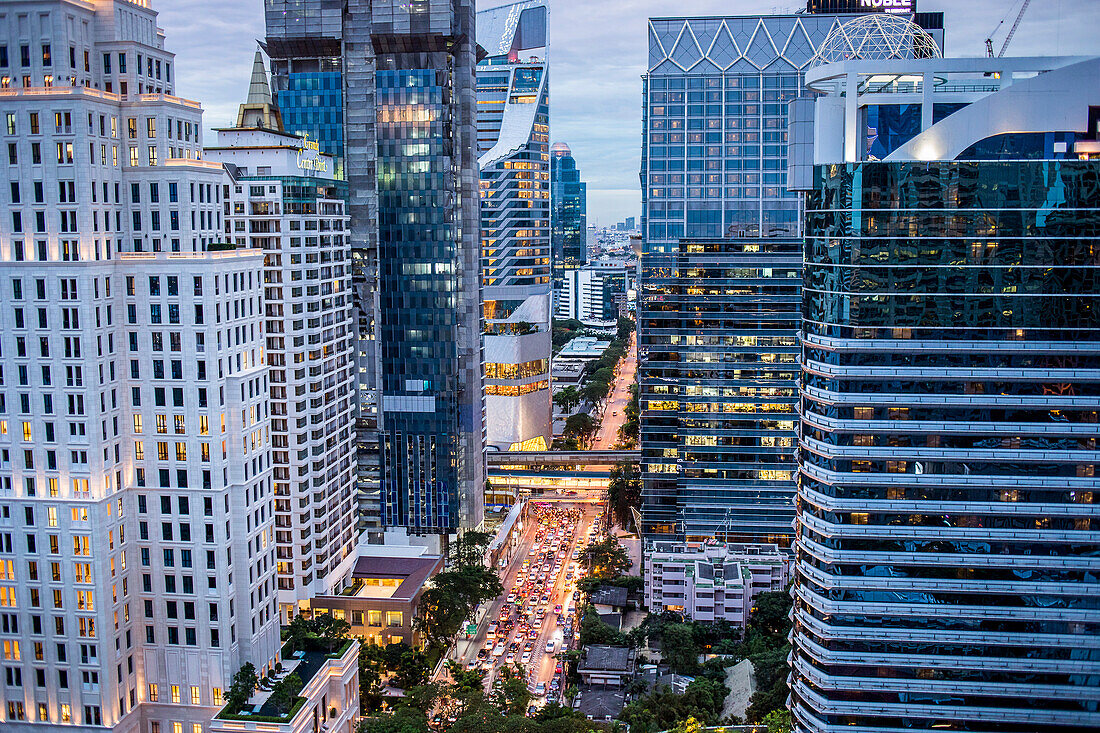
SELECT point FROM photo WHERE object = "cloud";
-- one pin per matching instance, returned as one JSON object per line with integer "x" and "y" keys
{"x": 598, "y": 53}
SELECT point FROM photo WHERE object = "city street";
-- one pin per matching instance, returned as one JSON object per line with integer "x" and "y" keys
{"x": 541, "y": 666}
{"x": 614, "y": 411}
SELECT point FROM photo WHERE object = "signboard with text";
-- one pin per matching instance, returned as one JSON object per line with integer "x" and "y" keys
{"x": 861, "y": 6}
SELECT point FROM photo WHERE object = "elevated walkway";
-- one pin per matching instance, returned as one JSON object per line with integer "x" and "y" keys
{"x": 559, "y": 458}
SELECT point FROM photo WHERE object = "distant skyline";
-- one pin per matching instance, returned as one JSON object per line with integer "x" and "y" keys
{"x": 597, "y": 56}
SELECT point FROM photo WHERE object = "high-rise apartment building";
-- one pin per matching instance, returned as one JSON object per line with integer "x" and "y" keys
{"x": 596, "y": 291}
{"x": 282, "y": 198}
{"x": 137, "y": 507}
{"x": 568, "y": 210}
{"x": 513, "y": 130}
{"x": 407, "y": 75}
{"x": 719, "y": 303}
{"x": 947, "y": 539}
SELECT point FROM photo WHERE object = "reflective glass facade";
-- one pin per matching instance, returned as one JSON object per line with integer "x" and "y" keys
{"x": 569, "y": 204}
{"x": 947, "y": 539}
{"x": 312, "y": 103}
{"x": 718, "y": 319}
{"x": 720, "y": 396}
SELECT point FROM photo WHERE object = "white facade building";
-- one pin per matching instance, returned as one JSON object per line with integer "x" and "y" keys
{"x": 137, "y": 507}
{"x": 711, "y": 581}
{"x": 282, "y": 198}
{"x": 594, "y": 292}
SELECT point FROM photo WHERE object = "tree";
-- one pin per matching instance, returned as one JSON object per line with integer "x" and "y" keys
{"x": 332, "y": 631}
{"x": 567, "y": 398}
{"x": 580, "y": 426}
{"x": 625, "y": 328}
{"x": 595, "y": 631}
{"x": 285, "y": 693}
{"x": 297, "y": 632}
{"x": 771, "y": 613}
{"x": 778, "y": 721}
{"x": 770, "y": 669}
{"x": 240, "y": 689}
{"x": 678, "y": 648}
{"x": 510, "y": 692}
{"x": 624, "y": 492}
{"x": 604, "y": 374}
{"x": 606, "y": 559}
{"x": 595, "y": 390}
{"x": 455, "y": 593}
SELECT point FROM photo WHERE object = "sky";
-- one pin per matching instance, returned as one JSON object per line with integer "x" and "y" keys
{"x": 598, "y": 53}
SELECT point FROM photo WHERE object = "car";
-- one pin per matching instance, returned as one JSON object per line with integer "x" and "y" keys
{"x": 510, "y": 659}
{"x": 498, "y": 649}
{"x": 572, "y": 611}
{"x": 533, "y": 634}
{"x": 557, "y": 609}
{"x": 557, "y": 668}
{"x": 540, "y": 689}
{"x": 491, "y": 634}
{"x": 525, "y": 658}
{"x": 550, "y": 646}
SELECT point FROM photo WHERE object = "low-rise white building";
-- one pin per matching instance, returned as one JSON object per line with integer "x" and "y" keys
{"x": 711, "y": 581}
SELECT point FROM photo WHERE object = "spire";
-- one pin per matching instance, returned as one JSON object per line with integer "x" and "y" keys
{"x": 259, "y": 109}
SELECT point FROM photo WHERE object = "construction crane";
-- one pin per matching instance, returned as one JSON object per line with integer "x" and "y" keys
{"x": 1011, "y": 32}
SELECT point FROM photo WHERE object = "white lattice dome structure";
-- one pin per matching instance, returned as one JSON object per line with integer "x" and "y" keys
{"x": 876, "y": 36}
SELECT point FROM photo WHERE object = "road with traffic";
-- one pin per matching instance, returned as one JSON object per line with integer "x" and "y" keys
{"x": 538, "y": 604}
{"x": 614, "y": 409}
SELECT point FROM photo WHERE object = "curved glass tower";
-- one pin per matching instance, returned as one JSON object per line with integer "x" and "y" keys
{"x": 513, "y": 145}
{"x": 947, "y": 543}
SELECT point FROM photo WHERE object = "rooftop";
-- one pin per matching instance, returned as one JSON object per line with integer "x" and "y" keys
{"x": 609, "y": 595}
{"x": 600, "y": 703}
{"x": 612, "y": 658}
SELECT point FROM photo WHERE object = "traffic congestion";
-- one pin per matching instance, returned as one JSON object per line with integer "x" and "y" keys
{"x": 537, "y": 617}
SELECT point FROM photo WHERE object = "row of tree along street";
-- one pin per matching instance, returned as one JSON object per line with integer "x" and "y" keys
{"x": 596, "y": 381}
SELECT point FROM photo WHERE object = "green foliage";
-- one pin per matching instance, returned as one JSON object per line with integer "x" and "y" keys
{"x": 624, "y": 492}
{"x": 664, "y": 710}
{"x": 565, "y": 331}
{"x": 771, "y": 670}
{"x": 595, "y": 631}
{"x": 625, "y": 328}
{"x": 580, "y": 426}
{"x": 240, "y": 689}
{"x": 567, "y": 398}
{"x": 285, "y": 693}
{"x": 628, "y": 431}
{"x": 605, "y": 559}
{"x": 595, "y": 390}
{"x": 510, "y": 692}
{"x": 321, "y": 632}
{"x": 678, "y": 648}
{"x": 454, "y": 594}
{"x": 778, "y": 721}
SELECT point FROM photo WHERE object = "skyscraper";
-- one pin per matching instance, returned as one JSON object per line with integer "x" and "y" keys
{"x": 947, "y": 543}
{"x": 513, "y": 121}
{"x": 303, "y": 40}
{"x": 719, "y": 303}
{"x": 282, "y": 198}
{"x": 718, "y": 320}
{"x": 409, "y": 152}
{"x": 569, "y": 205}
{"x": 137, "y": 540}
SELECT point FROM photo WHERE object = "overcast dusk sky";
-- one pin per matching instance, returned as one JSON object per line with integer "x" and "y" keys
{"x": 597, "y": 55}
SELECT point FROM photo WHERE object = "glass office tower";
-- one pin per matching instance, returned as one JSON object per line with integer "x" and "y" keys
{"x": 947, "y": 543}
{"x": 569, "y": 204}
{"x": 407, "y": 72}
{"x": 718, "y": 319}
{"x": 513, "y": 120}
{"x": 303, "y": 43}
{"x": 714, "y": 165}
